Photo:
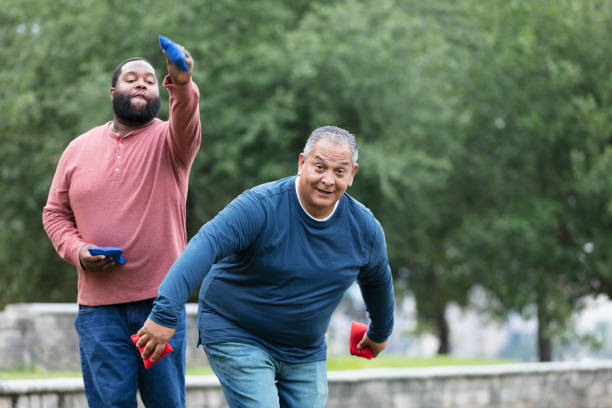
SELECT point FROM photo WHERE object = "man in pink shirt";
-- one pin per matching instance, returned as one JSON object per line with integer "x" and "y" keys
{"x": 124, "y": 184}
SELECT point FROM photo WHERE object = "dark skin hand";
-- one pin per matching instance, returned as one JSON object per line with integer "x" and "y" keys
{"x": 94, "y": 263}
{"x": 178, "y": 76}
{"x": 376, "y": 347}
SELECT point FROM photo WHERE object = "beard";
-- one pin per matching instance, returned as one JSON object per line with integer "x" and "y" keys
{"x": 122, "y": 105}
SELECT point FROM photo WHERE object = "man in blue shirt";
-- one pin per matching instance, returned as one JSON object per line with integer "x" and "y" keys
{"x": 273, "y": 265}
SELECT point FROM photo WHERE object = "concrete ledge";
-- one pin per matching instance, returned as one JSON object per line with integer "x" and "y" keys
{"x": 559, "y": 385}
{"x": 465, "y": 371}
{"x": 59, "y": 385}
{"x": 54, "y": 385}
{"x": 69, "y": 309}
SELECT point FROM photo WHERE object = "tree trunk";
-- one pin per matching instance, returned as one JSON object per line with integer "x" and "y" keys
{"x": 442, "y": 329}
{"x": 544, "y": 342}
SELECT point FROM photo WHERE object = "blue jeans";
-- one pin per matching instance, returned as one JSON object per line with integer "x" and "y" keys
{"x": 112, "y": 366}
{"x": 250, "y": 377}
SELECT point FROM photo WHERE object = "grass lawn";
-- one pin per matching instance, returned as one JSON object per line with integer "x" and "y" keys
{"x": 334, "y": 363}
{"x": 35, "y": 374}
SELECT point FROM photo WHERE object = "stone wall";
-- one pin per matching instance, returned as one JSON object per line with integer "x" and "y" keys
{"x": 42, "y": 336}
{"x": 535, "y": 385}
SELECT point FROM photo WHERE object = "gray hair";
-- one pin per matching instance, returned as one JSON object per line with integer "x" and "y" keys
{"x": 333, "y": 134}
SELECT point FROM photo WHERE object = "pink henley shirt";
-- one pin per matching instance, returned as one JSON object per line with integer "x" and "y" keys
{"x": 128, "y": 192}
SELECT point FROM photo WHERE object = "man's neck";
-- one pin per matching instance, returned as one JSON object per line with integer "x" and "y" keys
{"x": 118, "y": 126}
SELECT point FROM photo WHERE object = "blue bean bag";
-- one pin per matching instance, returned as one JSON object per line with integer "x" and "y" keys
{"x": 174, "y": 52}
{"x": 112, "y": 252}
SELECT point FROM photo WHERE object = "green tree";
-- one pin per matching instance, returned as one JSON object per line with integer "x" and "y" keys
{"x": 385, "y": 73}
{"x": 534, "y": 144}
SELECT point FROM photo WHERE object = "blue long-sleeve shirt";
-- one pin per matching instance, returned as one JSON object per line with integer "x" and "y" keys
{"x": 272, "y": 276}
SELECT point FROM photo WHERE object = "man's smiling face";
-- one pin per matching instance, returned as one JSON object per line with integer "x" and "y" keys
{"x": 324, "y": 176}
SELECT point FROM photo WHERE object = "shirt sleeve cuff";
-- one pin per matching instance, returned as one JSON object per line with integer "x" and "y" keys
{"x": 73, "y": 256}
{"x": 378, "y": 338}
{"x": 171, "y": 86}
{"x": 166, "y": 312}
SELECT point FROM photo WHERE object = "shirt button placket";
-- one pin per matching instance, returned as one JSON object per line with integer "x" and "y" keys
{"x": 118, "y": 155}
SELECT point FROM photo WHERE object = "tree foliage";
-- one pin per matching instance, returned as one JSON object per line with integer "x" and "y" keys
{"x": 533, "y": 230}
{"x": 483, "y": 127}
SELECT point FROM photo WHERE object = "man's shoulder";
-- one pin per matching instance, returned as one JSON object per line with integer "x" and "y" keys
{"x": 262, "y": 199}
{"x": 96, "y": 130}
{"x": 85, "y": 138}
{"x": 267, "y": 196}
{"x": 362, "y": 214}
{"x": 357, "y": 206}
{"x": 274, "y": 188}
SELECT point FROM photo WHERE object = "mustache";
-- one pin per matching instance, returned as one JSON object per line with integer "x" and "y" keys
{"x": 122, "y": 105}
{"x": 139, "y": 93}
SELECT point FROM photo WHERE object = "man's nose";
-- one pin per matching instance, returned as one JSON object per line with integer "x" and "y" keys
{"x": 328, "y": 179}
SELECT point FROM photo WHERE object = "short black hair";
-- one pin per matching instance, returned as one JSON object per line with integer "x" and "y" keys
{"x": 121, "y": 64}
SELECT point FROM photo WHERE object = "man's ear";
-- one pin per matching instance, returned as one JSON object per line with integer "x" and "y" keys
{"x": 300, "y": 163}
{"x": 353, "y": 172}
{"x": 112, "y": 92}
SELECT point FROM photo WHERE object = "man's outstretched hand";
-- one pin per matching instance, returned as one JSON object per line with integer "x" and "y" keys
{"x": 154, "y": 337}
{"x": 180, "y": 77}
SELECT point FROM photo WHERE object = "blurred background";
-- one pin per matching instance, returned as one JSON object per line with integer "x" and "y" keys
{"x": 485, "y": 145}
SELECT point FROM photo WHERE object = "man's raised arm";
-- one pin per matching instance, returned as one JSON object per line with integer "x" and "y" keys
{"x": 185, "y": 129}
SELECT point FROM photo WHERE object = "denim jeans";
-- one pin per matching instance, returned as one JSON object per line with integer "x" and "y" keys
{"x": 250, "y": 377}
{"x": 112, "y": 367}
